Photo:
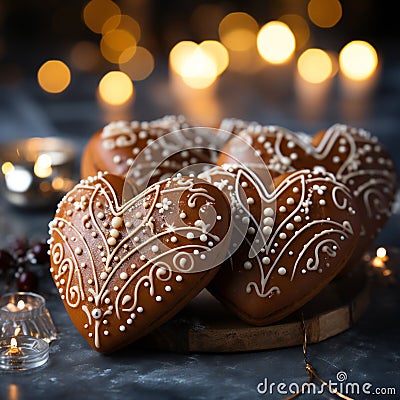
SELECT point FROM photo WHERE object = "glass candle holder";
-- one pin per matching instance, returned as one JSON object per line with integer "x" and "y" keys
{"x": 22, "y": 353}
{"x": 37, "y": 172}
{"x": 25, "y": 313}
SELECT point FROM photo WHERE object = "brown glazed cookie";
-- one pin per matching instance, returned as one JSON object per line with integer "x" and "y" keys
{"x": 158, "y": 149}
{"x": 122, "y": 268}
{"x": 356, "y": 158}
{"x": 310, "y": 229}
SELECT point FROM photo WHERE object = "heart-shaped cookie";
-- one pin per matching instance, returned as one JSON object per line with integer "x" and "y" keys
{"x": 122, "y": 268}
{"x": 356, "y": 158}
{"x": 157, "y": 149}
{"x": 310, "y": 227}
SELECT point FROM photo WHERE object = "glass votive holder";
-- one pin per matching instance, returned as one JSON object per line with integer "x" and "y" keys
{"x": 22, "y": 353}
{"x": 37, "y": 172}
{"x": 25, "y": 313}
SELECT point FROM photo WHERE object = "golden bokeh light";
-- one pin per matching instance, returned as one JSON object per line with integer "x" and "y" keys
{"x": 314, "y": 65}
{"x": 325, "y": 13}
{"x": 54, "y": 76}
{"x": 42, "y": 167}
{"x": 179, "y": 53}
{"x": 118, "y": 46}
{"x": 199, "y": 70}
{"x": 7, "y": 167}
{"x": 140, "y": 66}
{"x": 97, "y": 12}
{"x": 116, "y": 88}
{"x": 276, "y": 42}
{"x": 238, "y": 31}
{"x": 218, "y": 53}
{"x": 123, "y": 22}
{"x": 85, "y": 56}
{"x": 299, "y": 27}
{"x": 358, "y": 60}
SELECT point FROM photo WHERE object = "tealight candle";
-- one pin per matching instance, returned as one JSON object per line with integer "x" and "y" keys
{"x": 37, "y": 171}
{"x": 23, "y": 352}
{"x": 26, "y": 313}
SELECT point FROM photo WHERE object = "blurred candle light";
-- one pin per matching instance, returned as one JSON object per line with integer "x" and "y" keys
{"x": 97, "y": 12}
{"x": 139, "y": 66}
{"x": 276, "y": 42}
{"x": 313, "y": 82}
{"x": 358, "y": 60}
{"x": 115, "y": 94}
{"x": 118, "y": 46}
{"x": 124, "y": 22}
{"x": 324, "y": 13}
{"x": 218, "y": 53}
{"x": 116, "y": 88}
{"x": 54, "y": 76}
{"x": 358, "y": 64}
{"x": 238, "y": 31}
{"x": 299, "y": 27}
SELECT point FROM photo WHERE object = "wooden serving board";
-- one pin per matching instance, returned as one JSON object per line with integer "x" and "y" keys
{"x": 206, "y": 326}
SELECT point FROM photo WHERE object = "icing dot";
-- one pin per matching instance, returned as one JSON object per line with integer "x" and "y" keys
{"x": 86, "y": 326}
{"x": 114, "y": 233}
{"x": 266, "y": 260}
{"x": 190, "y": 235}
{"x": 174, "y": 239}
{"x": 100, "y": 215}
{"x": 179, "y": 278}
{"x": 282, "y": 236}
{"x": 103, "y": 275}
{"x": 78, "y": 251}
{"x": 116, "y": 222}
{"x": 123, "y": 275}
{"x": 268, "y": 212}
{"x": 296, "y": 190}
{"x": 129, "y": 321}
{"x": 116, "y": 288}
{"x": 322, "y": 202}
{"x": 281, "y": 270}
{"x": 106, "y": 333}
{"x": 158, "y": 298}
{"x": 303, "y": 271}
{"x": 282, "y": 209}
{"x": 203, "y": 237}
{"x": 96, "y": 313}
{"x": 168, "y": 288}
{"x": 111, "y": 241}
{"x": 117, "y": 159}
{"x": 267, "y": 230}
{"x": 290, "y": 200}
{"x": 182, "y": 215}
{"x": 297, "y": 218}
{"x": 268, "y": 221}
{"x": 154, "y": 249}
{"x": 289, "y": 226}
{"x": 122, "y": 328}
{"x": 139, "y": 309}
{"x": 250, "y": 200}
{"x": 90, "y": 299}
{"x": 138, "y": 215}
{"x": 90, "y": 334}
{"x": 248, "y": 265}
{"x": 251, "y": 231}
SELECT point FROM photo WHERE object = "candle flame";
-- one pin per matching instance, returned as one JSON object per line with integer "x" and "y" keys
{"x": 14, "y": 342}
{"x": 20, "y": 305}
{"x": 42, "y": 167}
{"x": 381, "y": 252}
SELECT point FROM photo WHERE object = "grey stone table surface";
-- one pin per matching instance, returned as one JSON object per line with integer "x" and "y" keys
{"x": 368, "y": 353}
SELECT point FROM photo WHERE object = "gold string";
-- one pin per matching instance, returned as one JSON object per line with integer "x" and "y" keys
{"x": 312, "y": 373}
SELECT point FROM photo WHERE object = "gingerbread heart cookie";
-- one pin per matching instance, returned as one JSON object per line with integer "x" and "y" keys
{"x": 310, "y": 227}
{"x": 157, "y": 149}
{"x": 122, "y": 268}
{"x": 356, "y": 158}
